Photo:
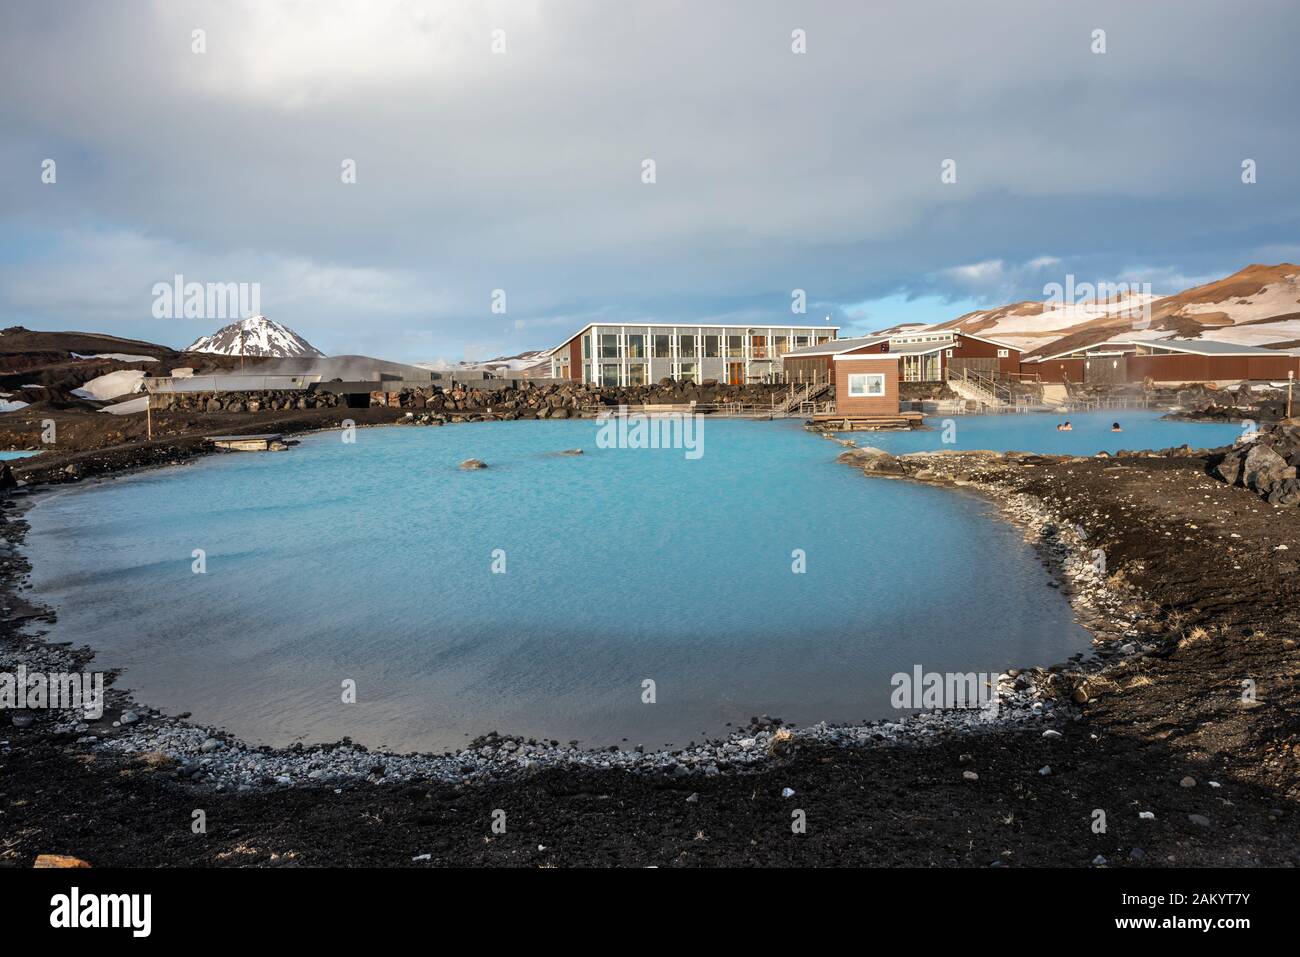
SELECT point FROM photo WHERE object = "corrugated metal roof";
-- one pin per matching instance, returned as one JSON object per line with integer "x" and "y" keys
{"x": 1207, "y": 347}
{"x": 1202, "y": 347}
{"x": 836, "y": 346}
{"x": 921, "y": 348}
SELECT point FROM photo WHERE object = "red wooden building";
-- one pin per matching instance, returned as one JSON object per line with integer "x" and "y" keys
{"x": 922, "y": 356}
{"x": 1162, "y": 360}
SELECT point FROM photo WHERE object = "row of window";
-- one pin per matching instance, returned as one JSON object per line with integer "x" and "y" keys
{"x": 689, "y": 346}
{"x": 638, "y": 373}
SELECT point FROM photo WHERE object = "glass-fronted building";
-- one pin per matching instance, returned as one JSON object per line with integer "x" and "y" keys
{"x": 642, "y": 354}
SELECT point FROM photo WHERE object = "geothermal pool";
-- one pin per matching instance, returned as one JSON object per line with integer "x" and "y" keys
{"x": 1090, "y": 433}
{"x": 380, "y": 561}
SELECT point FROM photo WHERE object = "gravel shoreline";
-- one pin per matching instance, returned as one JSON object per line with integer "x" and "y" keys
{"x": 1092, "y": 731}
{"x": 210, "y": 756}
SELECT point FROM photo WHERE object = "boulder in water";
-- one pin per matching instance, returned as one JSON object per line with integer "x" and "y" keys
{"x": 871, "y": 459}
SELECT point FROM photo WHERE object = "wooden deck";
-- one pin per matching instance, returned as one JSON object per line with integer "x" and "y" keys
{"x": 847, "y": 422}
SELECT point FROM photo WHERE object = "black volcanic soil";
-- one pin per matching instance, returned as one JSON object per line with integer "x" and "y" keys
{"x": 1224, "y": 608}
{"x": 101, "y": 444}
{"x": 43, "y": 368}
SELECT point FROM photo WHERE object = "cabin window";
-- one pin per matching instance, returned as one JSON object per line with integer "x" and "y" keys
{"x": 663, "y": 347}
{"x": 800, "y": 341}
{"x": 686, "y": 346}
{"x": 636, "y": 346}
{"x": 948, "y": 353}
{"x": 712, "y": 347}
{"x": 609, "y": 346}
{"x": 636, "y": 374}
{"x": 586, "y": 347}
{"x": 1003, "y": 353}
{"x": 609, "y": 374}
{"x": 865, "y": 384}
{"x": 690, "y": 373}
{"x": 735, "y": 346}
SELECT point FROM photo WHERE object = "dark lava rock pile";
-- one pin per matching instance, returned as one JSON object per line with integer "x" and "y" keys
{"x": 573, "y": 400}
{"x": 251, "y": 401}
{"x": 1203, "y": 403}
{"x": 526, "y": 401}
{"x": 1266, "y": 465}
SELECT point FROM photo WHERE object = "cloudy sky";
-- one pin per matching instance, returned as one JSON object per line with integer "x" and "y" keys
{"x": 522, "y": 170}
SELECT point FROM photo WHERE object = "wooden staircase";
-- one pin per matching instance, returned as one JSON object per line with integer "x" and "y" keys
{"x": 795, "y": 402}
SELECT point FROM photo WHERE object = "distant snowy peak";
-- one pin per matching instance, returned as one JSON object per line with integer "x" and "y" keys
{"x": 519, "y": 363}
{"x": 258, "y": 336}
{"x": 903, "y": 328}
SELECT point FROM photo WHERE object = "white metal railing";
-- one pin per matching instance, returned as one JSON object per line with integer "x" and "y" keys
{"x": 999, "y": 390}
{"x": 799, "y": 397}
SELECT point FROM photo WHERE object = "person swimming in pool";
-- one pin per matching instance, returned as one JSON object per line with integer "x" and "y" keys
{"x": 1114, "y": 427}
{"x": 1067, "y": 427}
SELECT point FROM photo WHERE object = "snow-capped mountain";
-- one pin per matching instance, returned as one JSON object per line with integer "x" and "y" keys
{"x": 1258, "y": 306}
{"x": 258, "y": 336}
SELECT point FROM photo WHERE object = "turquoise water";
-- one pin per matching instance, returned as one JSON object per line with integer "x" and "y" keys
{"x": 373, "y": 562}
{"x": 1091, "y": 433}
{"x": 5, "y": 456}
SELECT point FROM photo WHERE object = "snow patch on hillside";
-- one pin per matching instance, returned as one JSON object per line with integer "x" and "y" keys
{"x": 1276, "y": 299}
{"x": 127, "y": 407}
{"x": 525, "y": 360}
{"x": 1261, "y": 335}
{"x": 110, "y": 386}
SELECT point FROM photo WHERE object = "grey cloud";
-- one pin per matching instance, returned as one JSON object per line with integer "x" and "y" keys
{"x": 520, "y": 171}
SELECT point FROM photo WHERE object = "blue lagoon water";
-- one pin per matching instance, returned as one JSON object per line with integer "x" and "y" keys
{"x": 373, "y": 561}
{"x": 1091, "y": 433}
